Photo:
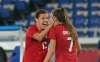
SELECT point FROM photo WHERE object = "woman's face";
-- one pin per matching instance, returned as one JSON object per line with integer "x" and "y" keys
{"x": 43, "y": 20}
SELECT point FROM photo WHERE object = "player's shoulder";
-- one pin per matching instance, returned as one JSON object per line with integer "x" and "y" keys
{"x": 55, "y": 27}
{"x": 52, "y": 29}
{"x": 59, "y": 26}
{"x": 31, "y": 28}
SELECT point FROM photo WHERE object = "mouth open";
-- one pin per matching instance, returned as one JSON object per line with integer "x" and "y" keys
{"x": 45, "y": 23}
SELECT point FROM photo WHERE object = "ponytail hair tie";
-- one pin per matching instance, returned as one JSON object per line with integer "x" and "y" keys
{"x": 63, "y": 11}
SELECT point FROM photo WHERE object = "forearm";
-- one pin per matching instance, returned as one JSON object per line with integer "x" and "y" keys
{"x": 78, "y": 49}
{"x": 49, "y": 55}
{"x": 50, "y": 52}
{"x": 77, "y": 43}
{"x": 42, "y": 34}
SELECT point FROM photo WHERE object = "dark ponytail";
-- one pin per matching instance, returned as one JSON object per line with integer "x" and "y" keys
{"x": 62, "y": 17}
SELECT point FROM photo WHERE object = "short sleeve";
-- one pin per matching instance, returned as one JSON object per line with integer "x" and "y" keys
{"x": 51, "y": 34}
{"x": 30, "y": 32}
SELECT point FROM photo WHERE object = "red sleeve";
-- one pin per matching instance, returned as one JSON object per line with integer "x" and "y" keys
{"x": 30, "y": 32}
{"x": 51, "y": 34}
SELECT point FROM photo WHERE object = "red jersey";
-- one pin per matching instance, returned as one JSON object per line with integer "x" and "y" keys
{"x": 62, "y": 36}
{"x": 34, "y": 51}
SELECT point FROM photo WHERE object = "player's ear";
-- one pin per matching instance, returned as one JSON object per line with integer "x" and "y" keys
{"x": 36, "y": 19}
{"x": 54, "y": 18}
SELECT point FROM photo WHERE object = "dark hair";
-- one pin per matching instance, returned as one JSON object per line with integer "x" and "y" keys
{"x": 41, "y": 11}
{"x": 62, "y": 17}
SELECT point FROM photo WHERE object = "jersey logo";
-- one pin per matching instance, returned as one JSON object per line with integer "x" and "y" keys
{"x": 44, "y": 45}
{"x": 66, "y": 33}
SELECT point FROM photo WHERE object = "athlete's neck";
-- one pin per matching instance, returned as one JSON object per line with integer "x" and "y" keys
{"x": 38, "y": 26}
{"x": 57, "y": 23}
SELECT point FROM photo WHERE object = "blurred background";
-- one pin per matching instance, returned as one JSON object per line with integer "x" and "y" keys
{"x": 17, "y": 15}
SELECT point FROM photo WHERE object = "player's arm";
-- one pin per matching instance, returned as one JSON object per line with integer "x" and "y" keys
{"x": 77, "y": 44}
{"x": 51, "y": 50}
{"x": 42, "y": 34}
{"x": 78, "y": 48}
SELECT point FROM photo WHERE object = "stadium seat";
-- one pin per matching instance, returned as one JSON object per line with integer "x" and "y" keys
{"x": 21, "y": 6}
{"x": 99, "y": 23}
{"x": 90, "y": 33}
{"x": 14, "y": 1}
{"x": 79, "y": 22}
{"x": 4, "y": 13}
{"x": 69, "y": 9}
{"x": 15, "y": 55}
{"x": 1, "y": 8}
{"x": 31, "y": 19}
{"x": 93, "y": 22}
{"x": 49, "y": 9}
{"x": 80, "y": 1}
{"x": 81, "y": 8}
{"x": 95, "y": 8}
{"x": 65, "y": 1}
{"x": 81, "y": 34}
{"x": 95, "y": 1}
{"x": 6, "y": 2}
{"x": 35, "y": 1}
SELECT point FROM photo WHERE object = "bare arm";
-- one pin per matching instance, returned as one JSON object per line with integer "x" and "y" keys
{"x": 51, "y": 50}
{"x": 42, "y": 34}
{"x": 78, "y": 48}
{"x": 77, "y": 43}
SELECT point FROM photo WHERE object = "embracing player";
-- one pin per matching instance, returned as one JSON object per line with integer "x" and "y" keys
{"x": 63, "y": 39}
{"x": 36, "y": 39}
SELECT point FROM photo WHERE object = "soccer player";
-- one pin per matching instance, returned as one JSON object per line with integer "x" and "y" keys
{"x": 63, "y": 39}
{"x": 36, "y": 39}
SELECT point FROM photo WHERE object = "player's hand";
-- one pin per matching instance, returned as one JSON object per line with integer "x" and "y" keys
{"x": 51, "y": 22}
{"x": 45, "y": 61}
